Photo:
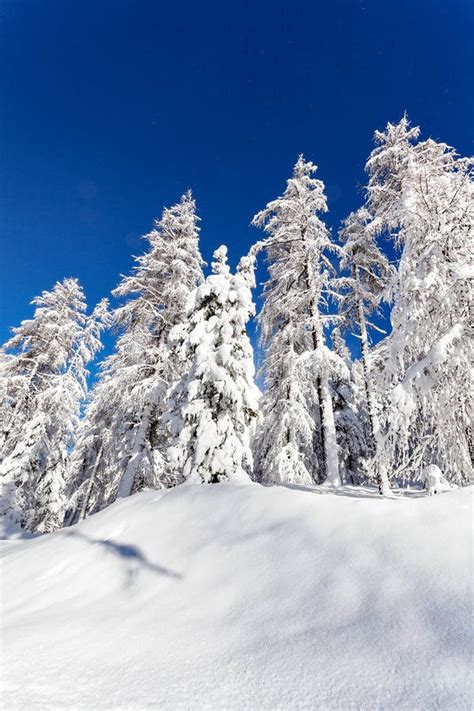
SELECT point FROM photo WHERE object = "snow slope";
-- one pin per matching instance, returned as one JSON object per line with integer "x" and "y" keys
{"x": 226, "y": 597}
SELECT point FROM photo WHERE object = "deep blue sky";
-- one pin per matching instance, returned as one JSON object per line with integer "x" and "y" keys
{"x": 110, "y": 109}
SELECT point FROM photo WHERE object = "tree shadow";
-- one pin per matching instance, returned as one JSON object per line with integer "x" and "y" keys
{"x": 362, "y": 491}
{"x": 132, "y": 555}
{"x": 349, "y": 490}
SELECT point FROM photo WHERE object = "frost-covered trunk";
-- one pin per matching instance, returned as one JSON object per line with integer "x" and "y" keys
{"x": 329, "y": 432}
{"x": 329, "y": 446}
{"x": 381, "y": 474}
{"x": 319, "y": 389}
{"x": 85, "y": 503}
{"x": 317, "y": 337}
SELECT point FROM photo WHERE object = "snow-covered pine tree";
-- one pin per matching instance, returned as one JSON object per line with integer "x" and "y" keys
{"x": 423, "y": 195}
{"x": 121, "y": 444}
{"x": 176, "y": 269}
{"x": 66, "y": 401}
{"x": 214, "y": 405}
{"x": 369, "y": 275}
{"x": 43, "y": 377}
{"x": 297, "y": 441}
{"x": 90, "y": 472}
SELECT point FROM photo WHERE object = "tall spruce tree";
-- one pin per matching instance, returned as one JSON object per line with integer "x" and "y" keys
{"x": 422, "y": 195}
{"x": 297, "y": 439}
{"x": 43, "y": 381}
{"x": 122, "y": 442}
{"x": 213, "y": 407}
{"x": 369, "y": 275}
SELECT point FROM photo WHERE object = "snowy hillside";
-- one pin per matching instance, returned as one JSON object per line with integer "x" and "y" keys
{"x": 225, "y": 597}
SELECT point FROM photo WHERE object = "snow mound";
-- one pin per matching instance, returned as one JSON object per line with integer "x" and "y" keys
{"x": 244, "y": 597}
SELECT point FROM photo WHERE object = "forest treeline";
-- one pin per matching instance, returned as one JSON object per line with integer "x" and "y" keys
{"x": 177, "y": 401}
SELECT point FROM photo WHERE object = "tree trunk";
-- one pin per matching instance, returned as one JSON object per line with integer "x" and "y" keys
{"x": 333, "y": 477}
{"x": 85, "y": 503}
{"x": 319, "y": 388}
{"x": 382, "y": 478}
{"x": 329, "y": 449}
{"x": 330, "y": 459}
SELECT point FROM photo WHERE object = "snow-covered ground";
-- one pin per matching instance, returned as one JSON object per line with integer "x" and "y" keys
{"x": 226, "y": 597}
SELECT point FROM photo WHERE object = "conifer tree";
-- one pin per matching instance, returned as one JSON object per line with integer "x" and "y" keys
{"x": 122, "y": 441}
{"x": 214, "y": 405}
{"x": 297, "y": 439}
{"x": 349, "y": 415}
{"x": 422, "y": 194}
{"x": 43, "y": 376}
{"x": 369, "y": 276}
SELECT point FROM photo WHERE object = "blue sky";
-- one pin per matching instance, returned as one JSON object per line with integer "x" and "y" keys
{"x": 111, "y": 109}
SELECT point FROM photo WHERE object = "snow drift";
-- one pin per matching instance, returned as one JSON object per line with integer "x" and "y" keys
{"x": 226, "y": 597}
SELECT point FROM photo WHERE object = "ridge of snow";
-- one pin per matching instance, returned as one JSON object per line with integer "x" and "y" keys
{"x": 244, "y": 597}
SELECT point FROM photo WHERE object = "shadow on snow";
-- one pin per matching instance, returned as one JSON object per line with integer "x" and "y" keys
{"x": 131, "y": 555}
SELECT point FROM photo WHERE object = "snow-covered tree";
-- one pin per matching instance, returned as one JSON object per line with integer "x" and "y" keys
{"x": 349, "y": 414}
{"x": 422, "y": 194}
{"x": 297, "y": 441}
{"x": 122, "y": 440}
{"x": 43, "y": 380}
{"x": 214, "y": 405}
{"x": 369, "y": 275}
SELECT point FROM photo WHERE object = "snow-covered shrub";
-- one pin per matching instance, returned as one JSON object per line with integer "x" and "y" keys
{"x": 434, "y": 480}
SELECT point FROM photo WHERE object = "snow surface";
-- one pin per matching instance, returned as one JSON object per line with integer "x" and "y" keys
{"x": 244, "y": 597}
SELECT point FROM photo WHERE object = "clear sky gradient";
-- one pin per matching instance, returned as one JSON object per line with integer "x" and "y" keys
{"x": 110, "y": 109}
